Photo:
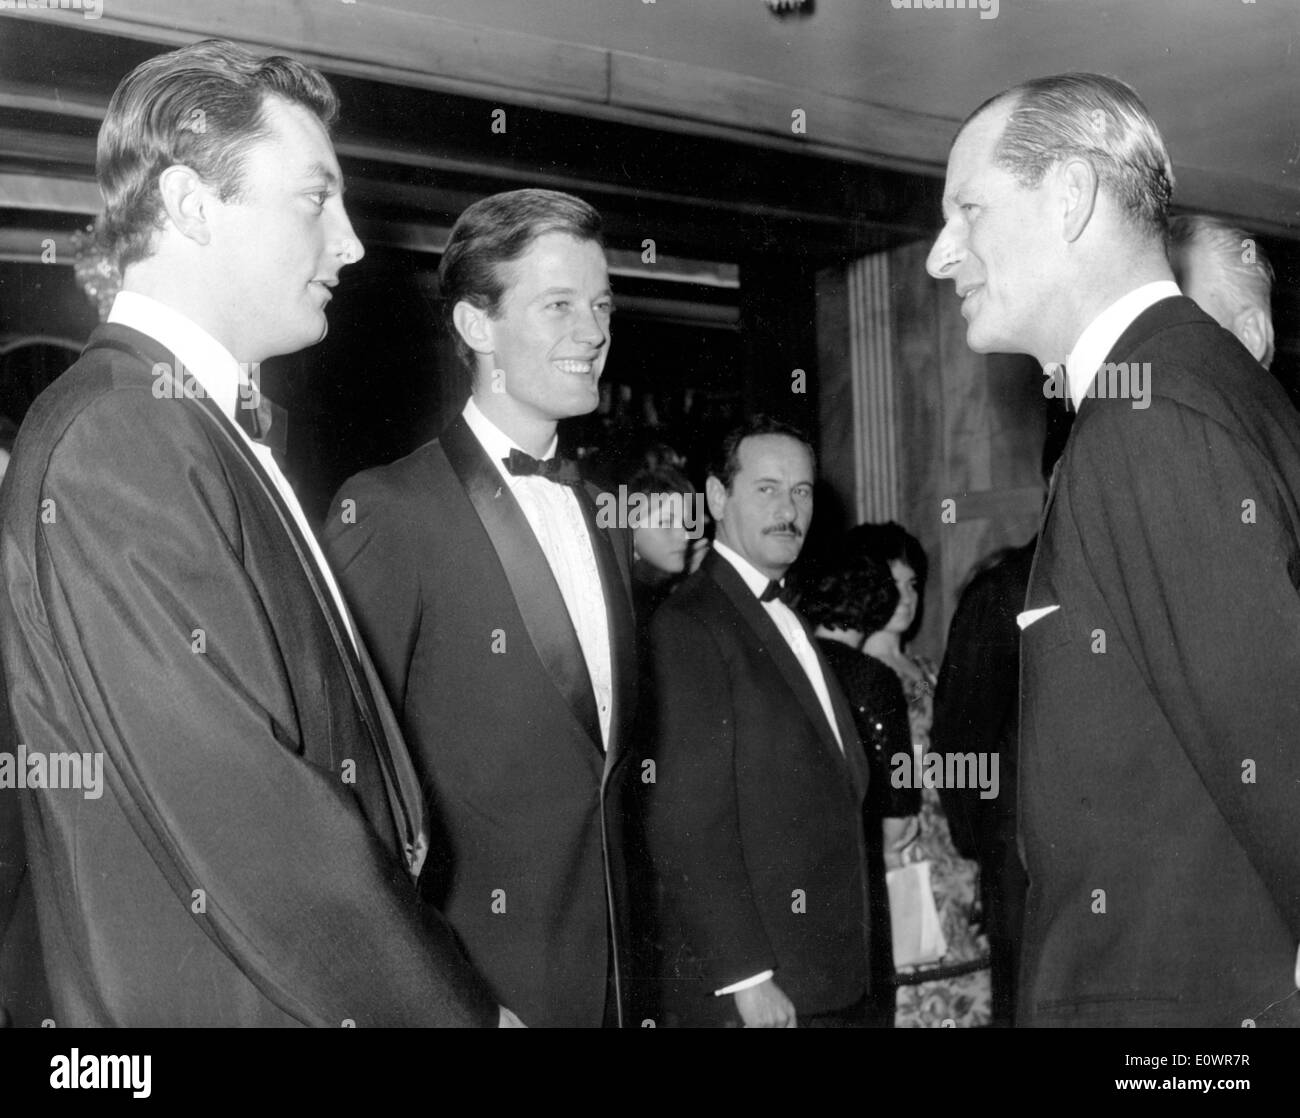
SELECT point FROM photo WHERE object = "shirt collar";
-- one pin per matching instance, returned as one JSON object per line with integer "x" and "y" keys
{"x": 755, "y": 579}
{"x": 1096, "y": 342}
{"x": 496, "y": 442}
{"x": 198, "y": 352}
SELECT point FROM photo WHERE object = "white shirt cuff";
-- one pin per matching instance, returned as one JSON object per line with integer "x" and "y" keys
{"x": 745, "y": 984}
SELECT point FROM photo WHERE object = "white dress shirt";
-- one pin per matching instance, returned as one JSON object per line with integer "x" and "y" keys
{"x": 797, "y": 638}
{"x": 219, "y": 375}
{"x": 553, "y": 513}
{"x": 1105, "y": 330}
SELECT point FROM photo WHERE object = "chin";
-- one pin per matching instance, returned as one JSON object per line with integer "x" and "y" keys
{"x": 978, "y": 343}
{"x": 581, "y": 406}
{"x": 984, "y": 340}
{"x": 782, "y": 557}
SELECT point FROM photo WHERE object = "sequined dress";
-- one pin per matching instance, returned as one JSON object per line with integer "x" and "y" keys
{"x": 960, "y": 992}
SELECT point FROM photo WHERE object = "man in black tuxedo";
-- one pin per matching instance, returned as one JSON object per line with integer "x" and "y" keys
{"x": 236, "y": 829}
{"x": 1160, "y": 721}
{"x": 753, "y": 806}
{"x": 497, "y": 599}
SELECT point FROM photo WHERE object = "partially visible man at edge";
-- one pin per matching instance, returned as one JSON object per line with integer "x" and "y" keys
{"x": 1225, "y": 272}
{"x": 250, "y": 856}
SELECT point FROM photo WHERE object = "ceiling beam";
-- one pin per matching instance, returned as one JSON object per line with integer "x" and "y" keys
{"x": 429, "y": 52}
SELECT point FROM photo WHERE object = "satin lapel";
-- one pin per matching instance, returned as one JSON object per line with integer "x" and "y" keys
{"x": 764, "y": 628}
{"x": 616, "y": 584}
{"x": 537, "y": 594}
{"x": 854, "y": 756}
{"x": 406, "y": 802}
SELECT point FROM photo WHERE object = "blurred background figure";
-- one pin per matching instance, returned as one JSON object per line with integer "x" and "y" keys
{"x": 1225, "y": 271}
{"x": 958, "y": 987}
{"x": 663, "y": 547}
{"x": 846, "y": 598}
{"x": 8, "y": 432}
{"x": 977, "y": 709}
{"x": 662, "y": 558}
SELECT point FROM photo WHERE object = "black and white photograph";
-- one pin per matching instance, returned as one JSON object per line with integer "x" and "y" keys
{"x": 652, "y": 514}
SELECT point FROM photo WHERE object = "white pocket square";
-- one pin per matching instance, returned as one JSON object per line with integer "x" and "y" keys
{"x": 1024, "y": 620}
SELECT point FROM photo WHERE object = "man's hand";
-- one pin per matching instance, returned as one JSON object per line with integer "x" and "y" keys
{"x": 507, "y": 1020}
{"x": 765, "y": 1006}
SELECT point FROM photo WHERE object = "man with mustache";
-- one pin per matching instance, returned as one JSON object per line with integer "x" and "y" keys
{"x": 753, "y": 785}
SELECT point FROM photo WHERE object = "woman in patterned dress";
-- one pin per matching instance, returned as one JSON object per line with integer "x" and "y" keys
{"x": 955, "y": 991}
{"x": 846, "y": 598}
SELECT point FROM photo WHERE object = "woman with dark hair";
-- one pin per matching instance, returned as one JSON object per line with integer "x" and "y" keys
{"x": 846, "y": 599}
{"x": 956, "y": 988}
{"x": 665, "y": 519}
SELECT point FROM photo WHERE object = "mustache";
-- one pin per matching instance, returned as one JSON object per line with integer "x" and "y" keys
{"x": 788, "y": 526}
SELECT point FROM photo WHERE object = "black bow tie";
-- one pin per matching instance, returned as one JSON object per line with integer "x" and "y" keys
{"x": 562, "y": 471}
{"x": 263, "y": 420}
{"x": 772, "y": 593}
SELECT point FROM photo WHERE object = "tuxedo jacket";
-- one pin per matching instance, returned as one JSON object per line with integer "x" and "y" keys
{"x": 24, "y": 998}
{"x": 251, "y": 858}
{"x": 481, "y": 660}
{"x": 1160, "y": 748}
{"x": 753, "y": 821}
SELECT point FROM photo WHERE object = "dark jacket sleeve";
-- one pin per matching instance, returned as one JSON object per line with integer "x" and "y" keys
{"x": 974, "y": 708}
{"x": 693, "y": 828}
{"x": 1204, "y": 593}
{"x": 369, "y": 539}
{"x": 201, "y": 738}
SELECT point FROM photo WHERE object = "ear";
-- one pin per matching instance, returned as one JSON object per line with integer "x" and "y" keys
{"x": 1255, "y": 331}
{"x": 716, "y": 494}
{"x": 1078, "y": 184}
{"x": 185, "y": 200}
{"x": 474, "y": 326}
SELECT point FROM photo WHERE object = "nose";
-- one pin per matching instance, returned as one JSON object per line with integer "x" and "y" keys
{"x": 345, "y": 243}
{"x": 589, "y": 329}
{"x": 946, "y": 253}
{"x": 787, "y": 510}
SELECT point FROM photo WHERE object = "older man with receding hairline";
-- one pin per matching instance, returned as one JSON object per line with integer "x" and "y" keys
{"x": 1160, "y": 721}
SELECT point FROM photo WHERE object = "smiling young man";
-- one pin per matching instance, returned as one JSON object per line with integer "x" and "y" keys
{"x": 753, "y": 820}
{"x": 500, "y": 614}
{"x": 1160, "y": 721}
{"x": 253, "y": 855}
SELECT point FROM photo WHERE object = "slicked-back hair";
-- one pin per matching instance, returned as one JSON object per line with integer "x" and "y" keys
{"x": 1238, "y": 256}
{"x": 491, "y": 235}
{"x": 202, "y": 107}
{"x": 726, "y": 460}
{"x": 1097, "y": 119}
{"x": 852, "y": 592}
